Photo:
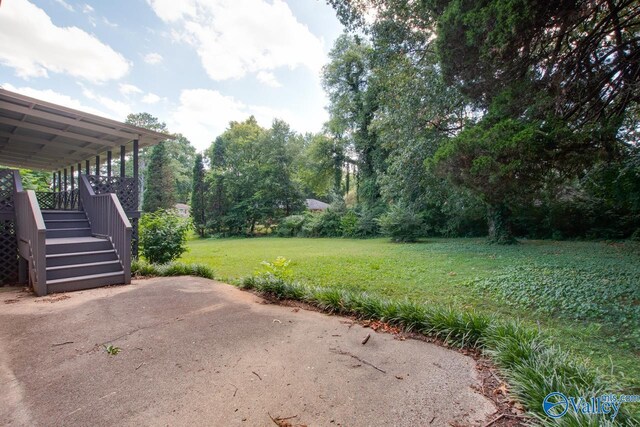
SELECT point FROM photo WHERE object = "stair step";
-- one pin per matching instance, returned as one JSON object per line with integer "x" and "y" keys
{"x": 69, "y": 245}
{"x": 71, "y": 258}
{"x": 57, "y": 224}
{"x": 56, "y": 215}
{"x": 86, "y": 269}
{"x": 69, "y": 232}
{"x": 85, "y": 282}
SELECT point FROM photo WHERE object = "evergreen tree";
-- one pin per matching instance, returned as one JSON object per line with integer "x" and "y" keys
{"x": 198, "y": 196}
{"x": 159, "y": 189}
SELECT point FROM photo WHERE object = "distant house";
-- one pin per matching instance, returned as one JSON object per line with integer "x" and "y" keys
{"x": 315, "y": 205}
{"x": 183, "y": 210}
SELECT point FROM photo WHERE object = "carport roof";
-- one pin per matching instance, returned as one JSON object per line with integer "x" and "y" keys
{"x": 39, "y": 135}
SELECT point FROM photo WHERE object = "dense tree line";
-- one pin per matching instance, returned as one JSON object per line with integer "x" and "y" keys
{"x": 251, "y": 177}
{"x": 521, "y": 114}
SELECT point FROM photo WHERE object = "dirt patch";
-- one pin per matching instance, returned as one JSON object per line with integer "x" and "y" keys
{"x": 54, "y": 298}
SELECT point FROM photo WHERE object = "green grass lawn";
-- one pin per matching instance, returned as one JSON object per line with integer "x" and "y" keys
{"x": 585, "y": 295}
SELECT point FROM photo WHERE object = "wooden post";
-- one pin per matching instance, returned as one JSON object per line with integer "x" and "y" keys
{"x": 122, "y": 168}
{"x": 135, "y": 232}
{"x": 135, "y": 173}
{"x": 87, "y": 168}
{"x": 109, "y": 155}
{"x": 64, "y": 181}
{"x": 58, "y": 196}
{"x": 78, "y": 204}
{"x": 97, "y": 165}
{"x": 73, "y": 181}
{"x": 53, "y": 182}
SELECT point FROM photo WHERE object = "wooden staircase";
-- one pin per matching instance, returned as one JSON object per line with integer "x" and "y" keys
{"x": 75, "y": 259}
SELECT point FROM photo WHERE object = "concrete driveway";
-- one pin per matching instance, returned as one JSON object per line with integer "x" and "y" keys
{"x": 199, "y": 352}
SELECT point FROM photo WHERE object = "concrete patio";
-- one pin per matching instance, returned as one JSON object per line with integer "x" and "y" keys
{"x": 198, "y": 352}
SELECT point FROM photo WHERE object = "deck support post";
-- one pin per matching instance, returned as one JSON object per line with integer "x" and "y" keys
{"x": 135, "y": 231}
{"x": 97, "y": 165}
{"x": 72, "y": 180}
{"x": 135, "y": 173}
{"x": 59, "y": 181}
{"x": 87, "y": 167}
{"x": 109, "y": 156}
{"x": 122, "y": 165}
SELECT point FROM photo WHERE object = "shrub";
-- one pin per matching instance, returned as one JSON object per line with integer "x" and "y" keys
{"x": 401, "y": 223}
{"x": 163, "y": 236}
{"x": 323, "y": 224}
{"x": 290, "y": 226}
{"x": 349, "y": 224}
{"x": 367, "y": 225}
{"x": 143, "y": 268}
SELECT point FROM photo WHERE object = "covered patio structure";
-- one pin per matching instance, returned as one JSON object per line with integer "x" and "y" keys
{"x": 83, "y": 231}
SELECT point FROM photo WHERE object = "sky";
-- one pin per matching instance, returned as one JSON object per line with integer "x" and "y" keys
{"x": 194, "y": 64}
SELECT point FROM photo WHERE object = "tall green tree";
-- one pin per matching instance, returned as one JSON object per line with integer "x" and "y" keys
{"x": 198, "y": 196}
{"x": 179, "y": 150}
{"x": 353, "y": 96}
{"x": 160, "y": 181}
{"x": 250, "y": 181}
{"x": 181, "y": 155}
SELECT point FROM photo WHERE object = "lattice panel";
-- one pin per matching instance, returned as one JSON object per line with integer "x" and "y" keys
{"x": 46, "y": 200}
{"x": 6, "y": 191}
{"x": 63, "y": 200}
{"x": 123, "y": 187}
{"x": 8, "y": 253}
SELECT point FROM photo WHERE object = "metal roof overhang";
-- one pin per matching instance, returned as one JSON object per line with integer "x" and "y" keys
{"x": 39, "y": 135}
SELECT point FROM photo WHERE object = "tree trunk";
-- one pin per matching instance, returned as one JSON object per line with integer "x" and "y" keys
{"x": 348, "y": 177}
{"x": 499, "y": 222}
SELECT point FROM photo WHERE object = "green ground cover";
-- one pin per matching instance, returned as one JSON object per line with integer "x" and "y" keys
{"x": 584, "y": 295}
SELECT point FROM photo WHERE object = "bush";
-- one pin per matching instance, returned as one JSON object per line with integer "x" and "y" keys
{"x": 349, "y": 224}
{"x": 323, "y": 224}
{"x": 163, "y": 236}
{"x": 367, "y": 225}
{"x": 401, "y": 223}
{"x": 290, "y": 226}
{"x": 143, "y": 268}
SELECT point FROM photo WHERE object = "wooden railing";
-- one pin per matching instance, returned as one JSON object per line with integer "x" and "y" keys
{"x": 108, "y": 220}
{"x": 31, "y": 233}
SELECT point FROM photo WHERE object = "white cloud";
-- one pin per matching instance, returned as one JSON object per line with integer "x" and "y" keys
{"x": 32, "y": 45}
{"x": 129, "y": 89}
{"x": 118, "y": 109}
{"x": 204, "y": 114}
{"x": 109, "y": 23}
{"x": 153, "y": 58}
{"x": 268, "y": 78}
{"x": 237, "y": 37}
{"x": 65, "y": 5}
{"x": 55, "y": 98}
{"x": 87, "y": 9}
{"x": 151, "y": 98}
